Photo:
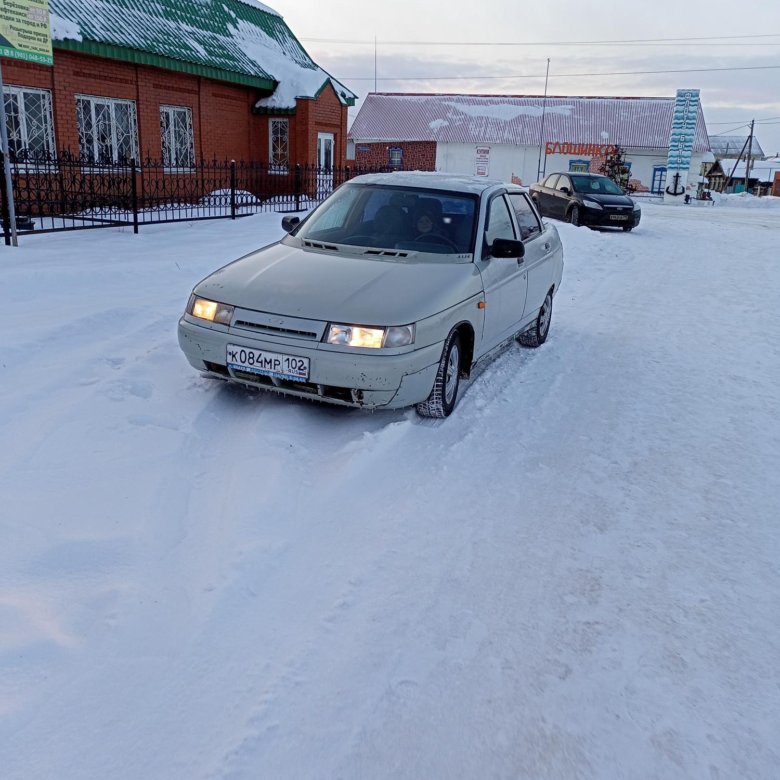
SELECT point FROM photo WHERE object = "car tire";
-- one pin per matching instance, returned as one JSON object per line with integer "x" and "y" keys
{"x": 536, "y": 335}
{"x": 444, "y": 394}
{"x": 574, "y": 216}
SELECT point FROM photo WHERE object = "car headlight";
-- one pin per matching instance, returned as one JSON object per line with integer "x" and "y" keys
{"x": 591, "y": 204}
{"x": 204, "y": 309}
{"x": 371, "y": 338}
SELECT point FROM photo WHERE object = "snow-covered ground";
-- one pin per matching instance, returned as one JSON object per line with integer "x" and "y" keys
{"x": 574, "y": 576}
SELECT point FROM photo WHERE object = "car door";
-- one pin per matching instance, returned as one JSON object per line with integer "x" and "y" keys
{"x": 562, "y": 197}
{"x": 546, "y": 195}
{"x": 539, "y": 250}
{"x": 504, "y": 279}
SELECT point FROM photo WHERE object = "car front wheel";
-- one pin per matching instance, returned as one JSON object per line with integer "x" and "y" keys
{"x": 441, "y": 401}
{"x": 574, "y": 215}
{"x": 536, "y": 335}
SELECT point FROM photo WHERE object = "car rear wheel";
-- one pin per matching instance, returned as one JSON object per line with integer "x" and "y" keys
{"x": 441, "y": 401}
{"x": 574, "y": 215}
{"x": 536, "y": 335}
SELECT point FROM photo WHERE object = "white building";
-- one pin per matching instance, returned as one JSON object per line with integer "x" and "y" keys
{"x": 519, "y": 138}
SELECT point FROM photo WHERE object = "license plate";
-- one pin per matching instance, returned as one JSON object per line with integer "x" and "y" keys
{"x": 275, "y": 364}
{"x": 619, "y": 217}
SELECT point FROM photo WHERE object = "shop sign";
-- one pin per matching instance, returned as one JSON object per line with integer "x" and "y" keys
{"x": 483, "y": 161}
{"x": 25, "y": 32}
{"x": 579, "y": 150}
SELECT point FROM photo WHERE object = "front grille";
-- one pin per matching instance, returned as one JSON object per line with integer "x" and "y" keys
{"x": 274, "y": 330}
{"x": 320, "y": 391}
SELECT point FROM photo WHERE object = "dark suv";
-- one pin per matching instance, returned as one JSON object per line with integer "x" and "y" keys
{"x": 585, "y": 199}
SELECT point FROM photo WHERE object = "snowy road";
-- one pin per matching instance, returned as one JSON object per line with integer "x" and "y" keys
{"x": 574, "y": 576}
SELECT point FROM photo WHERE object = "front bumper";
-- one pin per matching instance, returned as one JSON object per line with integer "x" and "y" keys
{"x": 338, "y": 377}
{"x": 609, "y": 218}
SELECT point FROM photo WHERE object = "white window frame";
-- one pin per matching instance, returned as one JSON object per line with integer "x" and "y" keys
{"x": 23, "y": 127}
{"x": 112, "y": 103}
{"x": 169, "y": 166}
{"x": 278, "y": 166}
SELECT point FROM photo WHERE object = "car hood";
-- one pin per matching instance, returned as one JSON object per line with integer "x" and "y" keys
{"x": 341, "y": 286}
{"x": 607, "y": 200}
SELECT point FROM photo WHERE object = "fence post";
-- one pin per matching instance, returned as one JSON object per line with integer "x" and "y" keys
{"x": 232, "y": 189}
{"x": 6, "y": 214}
{"x": 298, "y": 186}
{"x": 134, "y": 191}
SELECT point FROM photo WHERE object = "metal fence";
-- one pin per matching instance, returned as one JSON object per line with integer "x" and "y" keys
{"x": 69, "y": 192}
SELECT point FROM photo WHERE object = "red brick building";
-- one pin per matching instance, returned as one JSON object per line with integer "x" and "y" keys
{"x": 176, "y": 81}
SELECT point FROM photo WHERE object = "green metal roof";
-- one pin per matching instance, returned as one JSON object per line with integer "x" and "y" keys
{"x": 229, "y": 40}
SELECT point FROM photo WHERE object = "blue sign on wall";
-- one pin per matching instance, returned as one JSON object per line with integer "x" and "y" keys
{"x": 686, "y": 114}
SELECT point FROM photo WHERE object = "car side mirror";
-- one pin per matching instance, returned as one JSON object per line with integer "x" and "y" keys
{"x": 290, "y": 223}
{"x": 565, "y": 190}
{"x": 507, "y": 247}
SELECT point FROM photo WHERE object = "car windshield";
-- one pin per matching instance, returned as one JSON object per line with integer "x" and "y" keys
{"x": 595, "y": 185}
{"x": 392, "y": 217}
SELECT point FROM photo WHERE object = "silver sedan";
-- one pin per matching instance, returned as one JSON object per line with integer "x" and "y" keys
{"x": 386, "y": 295}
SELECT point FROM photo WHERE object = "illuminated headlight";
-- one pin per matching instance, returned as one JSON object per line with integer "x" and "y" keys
{"x": 371, "y": 338}
{"x": 591, "y": 204}
{"x": 204, "y": 309}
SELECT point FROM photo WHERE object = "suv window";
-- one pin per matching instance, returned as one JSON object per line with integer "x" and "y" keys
{"x": 526, "y": 216}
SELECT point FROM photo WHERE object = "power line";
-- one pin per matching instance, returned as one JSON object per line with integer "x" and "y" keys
{"x": 765, "y": 119}
{"x": 624, "y": 42}
{"x": 558, "y": 75}
{"x": 726, "y": 132}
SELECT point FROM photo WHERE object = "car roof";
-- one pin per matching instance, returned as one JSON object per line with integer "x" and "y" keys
{"x": 455, "y": 182}
{"x": 576, "y": 173}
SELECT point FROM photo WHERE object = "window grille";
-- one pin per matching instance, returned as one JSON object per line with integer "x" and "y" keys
{"x": 108, "y": 130}
{"x": 279, "y": 138}
{"x": 178, "y": 143}
{"x": 29, "y": 123}
{"x": 396, "y": 157}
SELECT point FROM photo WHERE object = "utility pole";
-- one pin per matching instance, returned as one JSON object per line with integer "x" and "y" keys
{"x": 539, "y": 169}
{"x": 747, "y": 159}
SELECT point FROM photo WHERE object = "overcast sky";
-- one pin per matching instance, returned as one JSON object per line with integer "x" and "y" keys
{"x": 332, "y": 32}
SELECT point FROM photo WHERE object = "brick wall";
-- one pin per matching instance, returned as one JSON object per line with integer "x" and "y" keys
{"x": 417, "y": 155}
{"x": 223, "y": 123}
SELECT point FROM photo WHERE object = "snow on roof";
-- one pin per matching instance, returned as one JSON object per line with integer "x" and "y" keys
{"x": 241, "y": 37}
{"x": 762, "y": 170}
{"x": 430, "y": 180}
{"x": 261, "y": 6}
{"x": 729, "y": 145}
{"x": 516, "y": 120}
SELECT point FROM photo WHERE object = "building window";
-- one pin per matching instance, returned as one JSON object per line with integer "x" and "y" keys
{"x": 29, "y": 123}
{"x": 396, "y": 157}
{"x": 659, "y": 179}
{"x": 579, "y": 166}
{"x": 279, "y": 142}
{"x": 108, "y": 131}
{"x": 178, "y": 144}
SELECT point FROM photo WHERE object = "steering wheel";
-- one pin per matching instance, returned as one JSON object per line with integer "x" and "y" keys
{"x": 359, "y": 239}
{"x": 437, "y": 238}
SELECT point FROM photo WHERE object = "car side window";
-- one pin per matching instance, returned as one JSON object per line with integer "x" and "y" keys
{"x": 563, "y": 182}
{"x": 498, "y": 224}
{"x": 551, "y": 180}
{"x": 526, "y": 217}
